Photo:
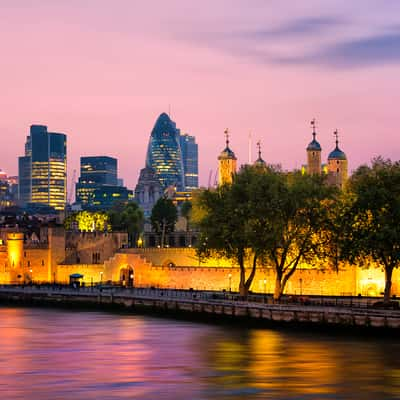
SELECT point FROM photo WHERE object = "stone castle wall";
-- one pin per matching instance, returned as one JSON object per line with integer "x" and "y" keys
{"x": 92, "y": 247}
{"x": 178, "y": 268}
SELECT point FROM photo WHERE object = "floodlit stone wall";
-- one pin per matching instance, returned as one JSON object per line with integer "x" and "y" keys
{"x": 178, "y": 268}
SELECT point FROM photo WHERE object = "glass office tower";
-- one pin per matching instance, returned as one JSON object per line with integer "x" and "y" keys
{"x": 99, "y": 169}
{"x": 190, "y": 158}
{"x": 43, "y": 169}
{"x": 164, "y": 153}
{"x": 98, "y": 187}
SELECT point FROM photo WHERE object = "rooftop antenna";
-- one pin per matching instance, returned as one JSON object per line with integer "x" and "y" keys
{"x": 336, "y": 133}
{"x": 250, "y": 157}
{"x": 313, "y": 124}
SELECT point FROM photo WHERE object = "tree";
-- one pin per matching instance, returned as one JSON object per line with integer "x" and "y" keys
{"x": 186, "y": 212}
{"x": 86, "y": 221}
{"x": 287, "y": 224}
{"x": 221, "y": 220}
{"x": 127, "y": 217}
{"x": 263, "y": 215}
{"x": 163, "y": 217}
{"x": 374, "y": 231}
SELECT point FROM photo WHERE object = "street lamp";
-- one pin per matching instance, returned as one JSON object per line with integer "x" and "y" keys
{"x": 265, "y": 286}
{"x": 101, "y": 278}
{"x": 230, "y": 282}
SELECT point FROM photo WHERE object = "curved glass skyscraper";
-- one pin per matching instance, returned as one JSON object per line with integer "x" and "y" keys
{"x": 164, "y": 153}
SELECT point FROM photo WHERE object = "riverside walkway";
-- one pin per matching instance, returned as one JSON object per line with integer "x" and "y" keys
{"x": 322, "y": 311}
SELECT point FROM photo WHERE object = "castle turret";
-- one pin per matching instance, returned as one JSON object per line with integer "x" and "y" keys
{"x": 314, "y": 154}
{"x": 260, "y": 163}
{"x": 337, "y": 165}
{"x": 227, "y": 163}
{"x": 15, "y": 249}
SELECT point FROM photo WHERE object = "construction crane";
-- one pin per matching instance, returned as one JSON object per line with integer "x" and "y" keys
{"x": 71, "y": 187}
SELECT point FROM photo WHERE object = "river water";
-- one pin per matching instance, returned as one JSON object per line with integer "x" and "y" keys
{"x": 58, "y": 354}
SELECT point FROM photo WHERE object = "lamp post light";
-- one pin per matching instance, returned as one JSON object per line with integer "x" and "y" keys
{"x": 31, "y": 275}
{"x": 230, "y": 282}
{"x": 101, "y": 278}
{"x": 265, "y": 285}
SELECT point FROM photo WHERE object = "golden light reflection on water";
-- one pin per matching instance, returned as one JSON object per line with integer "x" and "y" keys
{"x": 53, "y": 354}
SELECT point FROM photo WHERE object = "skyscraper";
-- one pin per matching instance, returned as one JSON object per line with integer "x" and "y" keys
{"x": 190, "y": 159}
{"x": 99, "y": 169}
{"x": 164, "y": 154}
{"x": 98, "y": 186}
{"x": 43, "y": 169}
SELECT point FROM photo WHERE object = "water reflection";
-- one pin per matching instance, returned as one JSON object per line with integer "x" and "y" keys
{"x": 53, "y": 354}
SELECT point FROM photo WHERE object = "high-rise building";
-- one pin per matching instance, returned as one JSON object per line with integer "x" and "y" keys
{"x": 190, "y": 159}
{"x": 43, "y": 169}
{"x": 164, "y": 154}
{"x": 8, "y": 190}
{"x": 98, "y": 185}
{"x": 99, "y": 169}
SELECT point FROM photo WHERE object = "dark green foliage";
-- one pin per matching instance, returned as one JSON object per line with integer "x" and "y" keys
{"x": 373, "y": 230}
{"x": 186, "y": 212}
{"x": 127, "y": 217}
{"x": 264, "y": 214}
{"x": 163, "y": 217}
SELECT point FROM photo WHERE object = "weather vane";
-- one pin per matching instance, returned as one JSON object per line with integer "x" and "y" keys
{"x": 313, "y": 124}
{"x": 336, "y": 133}
{"x": 226, "y": 132}
{"x": 259, "y": 148}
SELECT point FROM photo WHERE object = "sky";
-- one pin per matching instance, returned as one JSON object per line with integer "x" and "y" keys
{"x": 102, "y": 71}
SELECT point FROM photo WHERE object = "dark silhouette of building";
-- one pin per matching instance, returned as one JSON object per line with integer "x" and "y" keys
{"x": 43, "y": 169}
{"x": 148, "y": 190}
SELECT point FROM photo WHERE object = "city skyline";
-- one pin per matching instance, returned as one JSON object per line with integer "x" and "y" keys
{"x": 103, "y": 73}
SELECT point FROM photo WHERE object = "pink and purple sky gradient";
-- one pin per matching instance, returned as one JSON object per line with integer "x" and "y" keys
{"x": 102, "y": 71}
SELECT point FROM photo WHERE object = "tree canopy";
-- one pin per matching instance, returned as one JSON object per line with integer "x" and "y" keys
{"x": 186, "y": 212}
{"x": 86, "y": 221}
{"x": 373, "y": 229}
{"x": 264, "y": 215}
{"x": 163, "y": 217}
{"x": 127, "y": 217}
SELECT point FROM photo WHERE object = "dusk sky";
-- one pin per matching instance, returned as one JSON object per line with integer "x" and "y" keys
{"x": 102, "y": 71}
